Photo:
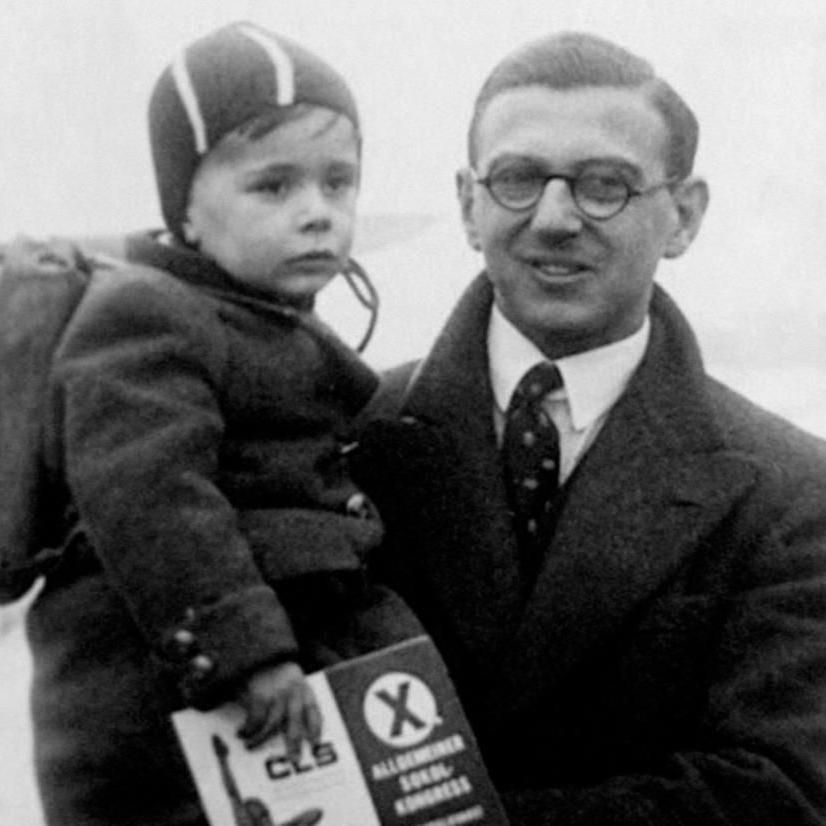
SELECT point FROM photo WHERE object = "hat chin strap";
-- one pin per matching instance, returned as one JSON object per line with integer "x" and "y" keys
{"x": 367, "y": 295}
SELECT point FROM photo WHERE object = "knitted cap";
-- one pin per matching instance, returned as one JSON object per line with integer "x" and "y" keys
{"x": 217, "y": 84}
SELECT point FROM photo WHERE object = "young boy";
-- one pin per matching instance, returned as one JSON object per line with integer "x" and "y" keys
{"x": 215, "y": 546}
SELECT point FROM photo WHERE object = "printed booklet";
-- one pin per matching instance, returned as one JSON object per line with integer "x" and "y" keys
{"x": 396, "y": 749}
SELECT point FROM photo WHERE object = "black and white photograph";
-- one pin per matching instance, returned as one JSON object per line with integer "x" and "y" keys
{"x": 326, "y": 326}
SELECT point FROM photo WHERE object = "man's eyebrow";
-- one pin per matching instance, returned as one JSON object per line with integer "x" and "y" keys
{"x": 507, "y": 157}
{"x": 613, "y": 161}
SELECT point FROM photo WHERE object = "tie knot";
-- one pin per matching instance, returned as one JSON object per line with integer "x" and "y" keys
{"x": 540, "y": 380}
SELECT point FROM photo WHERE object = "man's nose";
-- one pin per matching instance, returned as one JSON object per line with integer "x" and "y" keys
{"x": 556, "y": 210}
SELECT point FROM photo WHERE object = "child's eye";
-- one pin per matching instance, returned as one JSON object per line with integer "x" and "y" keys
{"x": 340, "y": 182}
{"x": 278, "y": 187}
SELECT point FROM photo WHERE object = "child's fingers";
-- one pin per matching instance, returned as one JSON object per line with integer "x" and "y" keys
{"x": 271, "y": 726}
{"x": 255, "y": 716}
{"x": 294, "y": 727}
{"x": 313, "y": 720}
{"x": 276, "y": 701}
{"x": 264, "y": 720}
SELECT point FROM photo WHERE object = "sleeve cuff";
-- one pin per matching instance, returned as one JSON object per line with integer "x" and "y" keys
{"x": 214, "y": 645}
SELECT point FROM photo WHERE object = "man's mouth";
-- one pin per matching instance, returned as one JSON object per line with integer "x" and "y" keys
{"x": 557, "y": 267}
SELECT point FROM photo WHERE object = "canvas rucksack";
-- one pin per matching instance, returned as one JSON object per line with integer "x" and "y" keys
{"x": 41, "y": 284}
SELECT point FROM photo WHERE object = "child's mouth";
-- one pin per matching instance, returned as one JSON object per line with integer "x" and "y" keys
{"x": 315, "y": 261}
{"x": 320, "y": 255}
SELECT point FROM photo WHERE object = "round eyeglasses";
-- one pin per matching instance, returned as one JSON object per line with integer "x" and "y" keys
{"x": 599, "y": 194}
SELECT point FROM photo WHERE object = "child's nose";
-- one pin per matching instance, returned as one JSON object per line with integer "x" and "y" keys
{"x": 315, "y": 210}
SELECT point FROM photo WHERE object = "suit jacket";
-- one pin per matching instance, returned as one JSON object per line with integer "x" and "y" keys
{"x": 668, "y": 663}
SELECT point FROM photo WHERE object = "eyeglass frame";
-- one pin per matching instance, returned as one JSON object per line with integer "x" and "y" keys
{"x": 570, "y": 180}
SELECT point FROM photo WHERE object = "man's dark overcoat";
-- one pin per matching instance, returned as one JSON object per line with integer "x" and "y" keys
{"x": 668, "y": 664}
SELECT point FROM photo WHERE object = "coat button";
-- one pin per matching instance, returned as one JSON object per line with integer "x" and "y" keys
{"x": 201, "y": 665}
{"x": 358, "y": 506}
{"x": 184, "y": 639}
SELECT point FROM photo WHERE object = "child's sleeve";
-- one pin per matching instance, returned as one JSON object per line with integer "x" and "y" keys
{"x": 138, "y": 378}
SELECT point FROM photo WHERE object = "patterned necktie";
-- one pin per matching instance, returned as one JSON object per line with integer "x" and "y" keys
{"x": 530, "y": 448}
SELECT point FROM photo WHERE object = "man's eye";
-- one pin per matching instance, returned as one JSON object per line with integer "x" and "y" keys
{"x": 517, "y": 183}
{"x": 517, "y": 176}
{"x": 603, "y": 186}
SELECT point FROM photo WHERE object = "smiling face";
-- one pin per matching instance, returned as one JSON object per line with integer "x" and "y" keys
{"x": 278, "y": 212}
{"x": 569, "y": 282}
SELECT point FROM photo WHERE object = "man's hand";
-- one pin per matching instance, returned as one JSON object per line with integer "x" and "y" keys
{"x": 278, "y": 700}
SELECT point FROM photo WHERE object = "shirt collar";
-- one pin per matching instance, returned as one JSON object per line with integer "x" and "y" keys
{"x": 594, "y": 379}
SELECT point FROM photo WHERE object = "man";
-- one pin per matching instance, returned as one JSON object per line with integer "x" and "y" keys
{"x": 637, "y": 624}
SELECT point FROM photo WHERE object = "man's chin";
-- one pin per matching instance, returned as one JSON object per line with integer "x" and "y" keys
{"x": 556, "y": 277}
{"x": 557, "y": 327}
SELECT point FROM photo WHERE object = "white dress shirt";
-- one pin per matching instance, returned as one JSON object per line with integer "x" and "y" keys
{"x": 593, "y": 382}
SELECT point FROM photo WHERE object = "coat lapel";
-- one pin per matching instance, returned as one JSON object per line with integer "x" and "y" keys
{"x": 633, "y": 517}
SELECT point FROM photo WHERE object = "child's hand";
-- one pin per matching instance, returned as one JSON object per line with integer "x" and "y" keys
{"x": 278, "y": 699}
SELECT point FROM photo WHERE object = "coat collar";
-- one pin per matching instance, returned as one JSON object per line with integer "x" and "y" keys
{"x": 449, "y": 384}
{"x": 347, "y": 378}
{"x": 187, "y": 264}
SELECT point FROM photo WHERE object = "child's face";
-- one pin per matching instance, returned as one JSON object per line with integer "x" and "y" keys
{"x": 278, "y": 212}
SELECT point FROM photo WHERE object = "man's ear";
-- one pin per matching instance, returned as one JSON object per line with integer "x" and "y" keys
{"x": 691, "y": 200}
{"x": 465, "y": 192}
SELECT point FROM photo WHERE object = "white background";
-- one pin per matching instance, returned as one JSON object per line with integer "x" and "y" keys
{"x": 75, "y": 77}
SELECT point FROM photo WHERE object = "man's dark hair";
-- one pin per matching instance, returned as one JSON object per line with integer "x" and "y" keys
{"x": 572, "y": 60}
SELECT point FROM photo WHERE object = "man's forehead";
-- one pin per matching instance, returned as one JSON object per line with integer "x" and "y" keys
{"x": 574, "y": 123}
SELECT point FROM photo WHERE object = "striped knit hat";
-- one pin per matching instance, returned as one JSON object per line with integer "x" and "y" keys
{"x": 217, "y": 84}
